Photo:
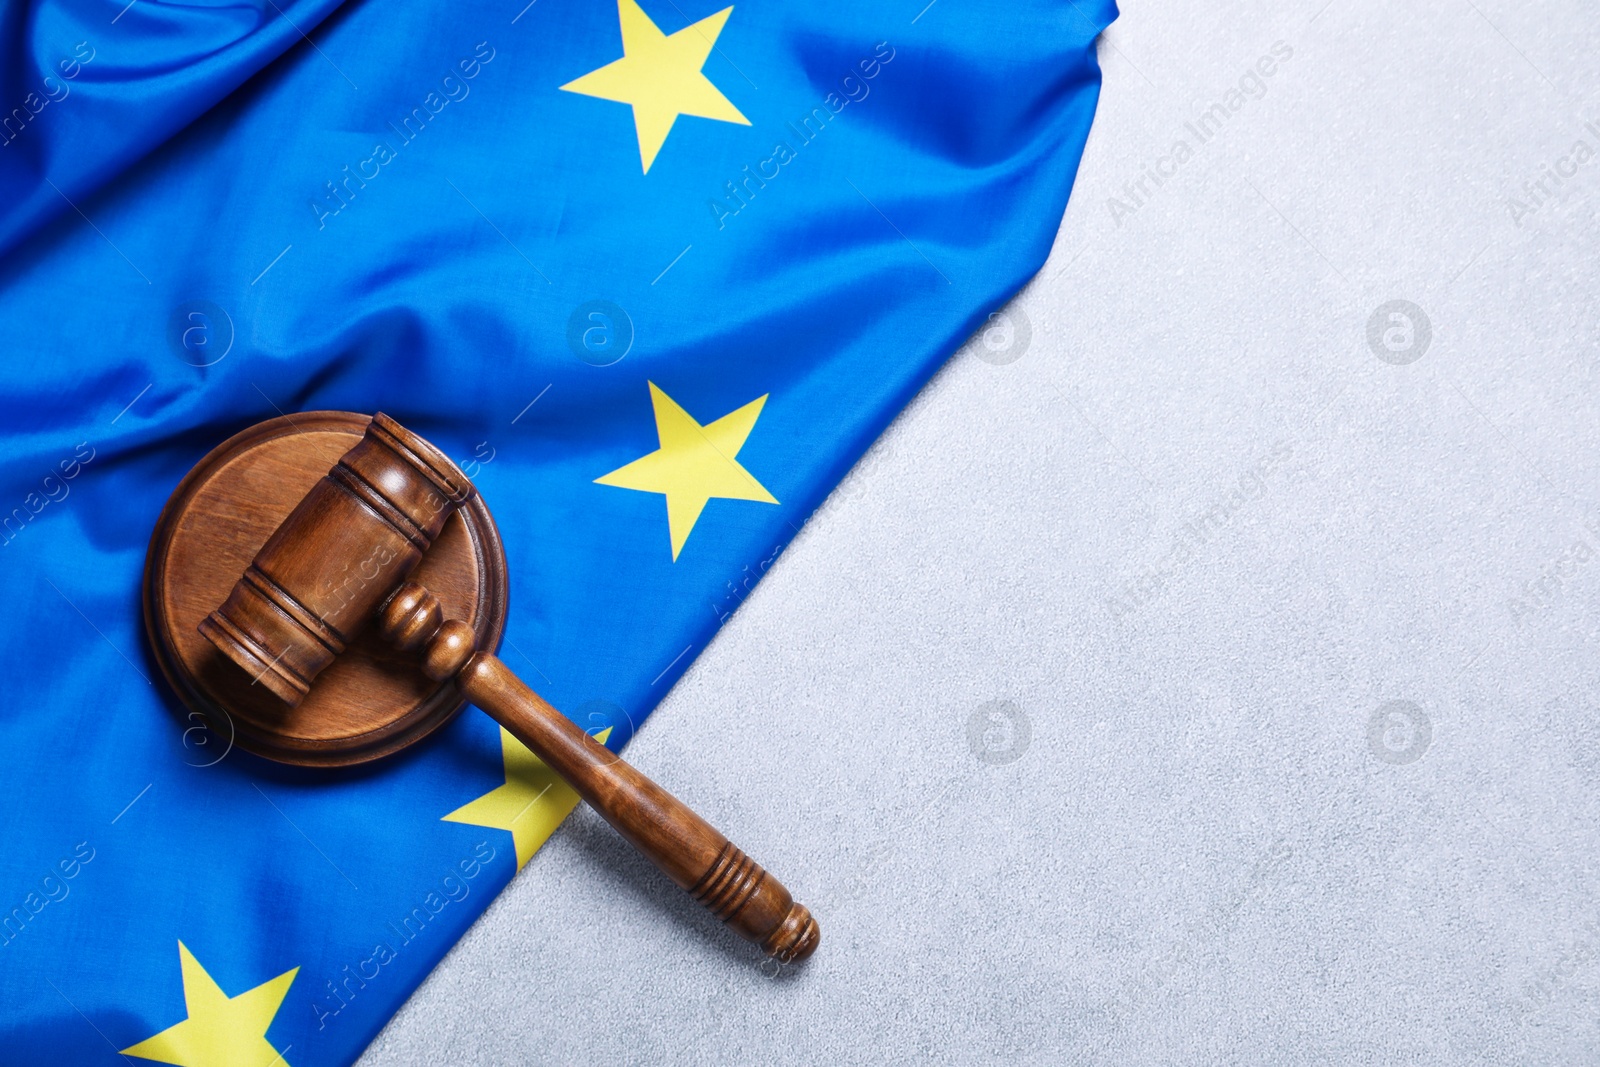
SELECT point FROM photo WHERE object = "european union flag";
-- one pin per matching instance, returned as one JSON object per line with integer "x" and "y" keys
{"x": 654, "y": 274}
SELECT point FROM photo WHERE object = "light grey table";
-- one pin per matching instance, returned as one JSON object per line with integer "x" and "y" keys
{"x": 1211, "y": 678}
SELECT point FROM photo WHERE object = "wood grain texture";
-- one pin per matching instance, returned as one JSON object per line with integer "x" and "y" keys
{"x": 689, "y": 850}
{"x": 326, "y": 516}
{"x": 360, "y": 531}
{"x": 372, "y": 700}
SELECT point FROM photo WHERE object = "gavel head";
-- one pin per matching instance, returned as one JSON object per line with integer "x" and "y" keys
{"x": 344, "y": 549}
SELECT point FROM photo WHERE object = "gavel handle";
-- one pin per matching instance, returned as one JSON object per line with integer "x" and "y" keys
{"x": 688, "y": 849}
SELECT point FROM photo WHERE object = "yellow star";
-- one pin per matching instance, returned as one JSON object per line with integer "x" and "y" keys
{"x": 660, "y": 76}
{"x": 221, "y": 1031}
{"x": 531, "y": 804}
{"x": 693, "y": 464}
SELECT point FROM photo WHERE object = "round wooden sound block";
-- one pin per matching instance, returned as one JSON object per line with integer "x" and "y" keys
{"x": 373, "y": 700}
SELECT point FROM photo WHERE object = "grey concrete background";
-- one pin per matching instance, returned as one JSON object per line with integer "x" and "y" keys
{"x": 1300, "y": 735}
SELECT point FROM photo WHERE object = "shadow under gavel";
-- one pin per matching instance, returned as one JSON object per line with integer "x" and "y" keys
{"x": 296, "y": 609}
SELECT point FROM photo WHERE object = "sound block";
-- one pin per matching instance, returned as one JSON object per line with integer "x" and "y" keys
{"x": 373, "y": 700}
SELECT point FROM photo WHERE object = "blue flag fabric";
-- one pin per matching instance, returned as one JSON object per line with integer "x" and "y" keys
{"x": 565, "y": 240}
{"x": 135, "y": 72}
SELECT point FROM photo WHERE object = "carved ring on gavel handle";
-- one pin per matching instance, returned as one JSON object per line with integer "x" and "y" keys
{"x": 299, "y": 609}
{"x": 688, "y": 849}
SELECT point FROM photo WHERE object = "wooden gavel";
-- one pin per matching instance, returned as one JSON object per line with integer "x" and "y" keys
{"x": 298, "y": 606}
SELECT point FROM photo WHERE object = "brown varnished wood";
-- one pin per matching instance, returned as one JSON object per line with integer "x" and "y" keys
{"x": 361, "y": 529}
{"x": 688, "y": 849}
{"x": 326, "y": 515}
{"x": 372, "y": 700}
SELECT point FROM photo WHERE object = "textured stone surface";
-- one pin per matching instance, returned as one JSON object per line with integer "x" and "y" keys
{"x": 1304, "y": 638}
